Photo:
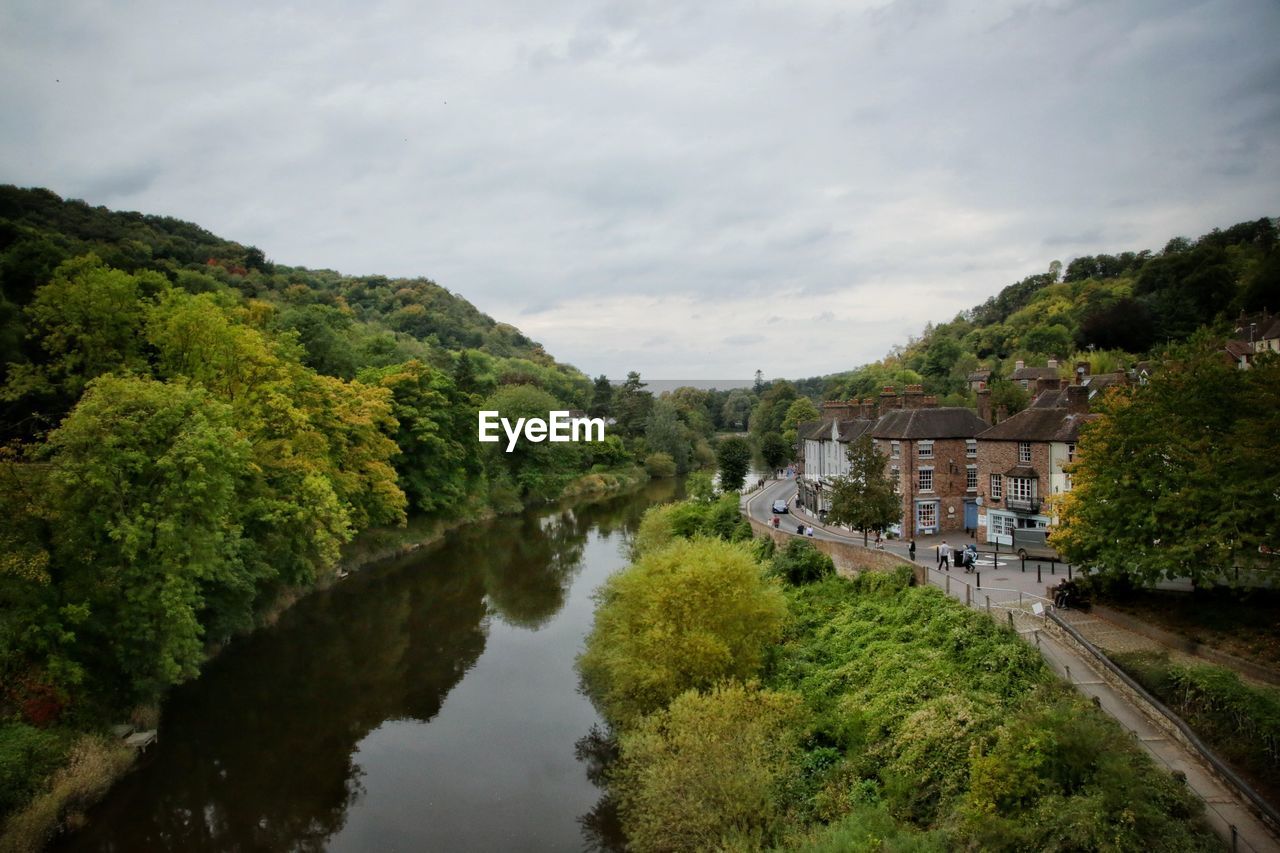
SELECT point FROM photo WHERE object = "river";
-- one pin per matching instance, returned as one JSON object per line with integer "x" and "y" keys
{"x": 426, "y": 703}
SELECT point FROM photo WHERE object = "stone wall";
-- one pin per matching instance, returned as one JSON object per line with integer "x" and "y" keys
{"x": 849, "y": 558}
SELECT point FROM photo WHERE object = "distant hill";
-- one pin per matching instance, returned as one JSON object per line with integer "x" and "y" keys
{"x": 39, "y": 230}
{"x": 1110, "y": 310}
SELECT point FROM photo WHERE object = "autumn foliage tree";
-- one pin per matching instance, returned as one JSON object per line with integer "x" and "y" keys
{"x": 1179, "y": 478}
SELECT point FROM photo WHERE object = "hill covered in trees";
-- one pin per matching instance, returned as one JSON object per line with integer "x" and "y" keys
{"x": 1109, "y": 310}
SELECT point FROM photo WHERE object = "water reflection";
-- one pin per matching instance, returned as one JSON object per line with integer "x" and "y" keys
{"x": 327, "y": 731}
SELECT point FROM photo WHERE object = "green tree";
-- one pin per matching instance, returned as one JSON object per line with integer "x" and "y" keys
{"x": 687, "y": 616}
{"x": 601, "y": 397}
{"x": 88, "y": 320}
{"x": 801, "y": 411}
{"x": 143, "y": 481}
{"x": 435, "y": 463}
{"x": 664, "y": 433}
{"x": 736, "y": 412}
{"x": 631, "y": 405}
{"x": 775, "y": 452}
{"x": 865, "y": 499}
{"x": 1178, "y": 478}
{"x": 733, "y": 456}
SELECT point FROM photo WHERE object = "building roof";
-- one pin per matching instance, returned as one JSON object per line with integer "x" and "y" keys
{"x": 813, "y": 430}
{"x": 1025, "y": 472}
{"x": 1037, "y": 424}
{"x": 1034, "y": 373}
{"x": 852, "y": 430}
{"x": 950, "y": 422}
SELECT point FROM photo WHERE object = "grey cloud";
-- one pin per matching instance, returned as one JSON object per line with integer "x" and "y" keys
{"x": 701, "y": 150}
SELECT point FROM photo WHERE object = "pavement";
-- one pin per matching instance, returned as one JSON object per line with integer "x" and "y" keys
{"x": 1011, "y": 589}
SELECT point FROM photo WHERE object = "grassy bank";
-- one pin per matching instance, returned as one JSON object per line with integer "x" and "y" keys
{"x": 874, "y": 716}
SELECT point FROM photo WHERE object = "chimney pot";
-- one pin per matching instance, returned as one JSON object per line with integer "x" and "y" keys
{"x": 1053, "y": 362}
{"x": 1019, "y": 364}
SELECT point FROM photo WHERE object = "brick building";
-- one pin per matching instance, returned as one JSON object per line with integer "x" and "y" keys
{"x": 932, "y": 454}
{"x": 1020, "y": 462}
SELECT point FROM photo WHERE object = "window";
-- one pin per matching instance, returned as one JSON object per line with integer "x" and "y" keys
{"x": 926, "y": 479}
{"x": 1071, "y": 453}
{"x": 926, "y": 515}
{"x": 895, "y": 475}
{"x": 895, "y": 449}
{"x": 1001, "y": 525}
{"x": 971, "y": 448}
{"x": 1024, "y": 451}
{"x": 997, "y": 487}
{"x": 926, "y": 450}
{"x": 1022, "y": 489}
{"x": 971, "y": 478}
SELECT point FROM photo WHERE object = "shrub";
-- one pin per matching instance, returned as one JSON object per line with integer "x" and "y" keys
{"x": 1240, "y": 720}
{"x": 801, "y": 562}
{"x": 707, "y": 767}
{"x": 687, "y": 616}
{"x": 660, "y": 465}
{"x": 27, "y": 756}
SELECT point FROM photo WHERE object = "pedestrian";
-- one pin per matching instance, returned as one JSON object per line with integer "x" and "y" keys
{"x": 911, "y": 550}
{"x": 944, "y": 556}
{"x": 809, "y": 531}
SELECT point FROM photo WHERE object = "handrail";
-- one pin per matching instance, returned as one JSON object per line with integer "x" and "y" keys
{"x": 1261, "y": 805}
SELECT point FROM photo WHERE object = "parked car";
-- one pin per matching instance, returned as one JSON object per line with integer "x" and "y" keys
{"x": 779, "y": 506}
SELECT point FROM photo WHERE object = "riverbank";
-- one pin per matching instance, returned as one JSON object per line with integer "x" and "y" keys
{"x": 94, "y": 761}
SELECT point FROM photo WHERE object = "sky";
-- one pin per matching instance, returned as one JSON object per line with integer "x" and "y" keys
{"x": 688, "y": 189}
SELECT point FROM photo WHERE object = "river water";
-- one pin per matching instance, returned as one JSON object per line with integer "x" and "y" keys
{"x": 427, "y": 703}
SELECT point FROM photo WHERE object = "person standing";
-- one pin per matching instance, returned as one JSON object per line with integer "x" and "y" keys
{"x": 944, "y": 556}
{"x": 911, "y": 550}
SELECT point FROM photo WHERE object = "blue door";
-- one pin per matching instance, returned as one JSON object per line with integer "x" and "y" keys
{"x": 971, "y": 515}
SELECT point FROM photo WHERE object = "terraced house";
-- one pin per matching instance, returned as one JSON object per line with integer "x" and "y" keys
{"x": 932, "y": 455}
{"x": 930, "y": 452}
{"x": 1021, "y": 461}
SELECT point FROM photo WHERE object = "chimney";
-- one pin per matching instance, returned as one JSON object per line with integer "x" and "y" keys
{"x": 913, "y": 397}
{"x": 1019, "y": 364}
{"x": 1082, "y": 370}
{"x": 889, "y": 400}
{"x": 1045, "y": 383}
{"x": 1002, "y": 412}
{"x": 984, "y": 402}
{"x": 838, "y": 410}
{"x": 930, "y": 401}
{"x": 1077, "y": 399}
{"x": 1053, "y": 363}
{"x": 869, "y": 408}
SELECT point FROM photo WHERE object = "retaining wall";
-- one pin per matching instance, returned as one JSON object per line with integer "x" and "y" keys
{"x": 848, "y": 557}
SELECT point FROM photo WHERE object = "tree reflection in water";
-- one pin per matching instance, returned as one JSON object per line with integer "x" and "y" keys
{"x": 258, "y": 754}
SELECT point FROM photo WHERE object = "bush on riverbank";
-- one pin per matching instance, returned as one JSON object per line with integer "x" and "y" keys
{"x": 711, "y": 516}
{"x": 709, "y": 766}
{"x": 683, "y": 617}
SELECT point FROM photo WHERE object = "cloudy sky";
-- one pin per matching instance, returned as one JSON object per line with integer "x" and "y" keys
{"x": 691, "y": 189}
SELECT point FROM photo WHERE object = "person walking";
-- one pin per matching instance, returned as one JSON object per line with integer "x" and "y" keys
{"x": 911, "y": 550}
{"x": 944, "y": 556}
